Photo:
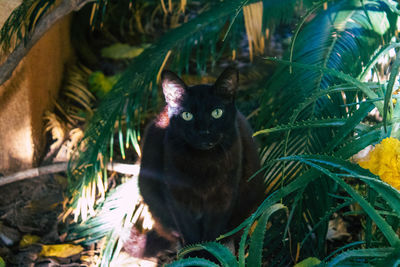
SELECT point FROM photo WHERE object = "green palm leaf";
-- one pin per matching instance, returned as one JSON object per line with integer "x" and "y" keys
{"x": 136, "y": 90}
{"x": 222, "y": 253}
{"x": 328, "y": 50}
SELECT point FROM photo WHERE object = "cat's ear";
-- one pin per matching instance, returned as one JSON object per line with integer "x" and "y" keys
{"x": 173, "y": 88}
{"x": 227, "y": 83}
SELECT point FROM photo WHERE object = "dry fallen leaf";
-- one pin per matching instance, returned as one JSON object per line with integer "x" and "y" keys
{"x": 337, "y": 229}
{"x": 60, "y": 250}
{"x": 28, "y": 240}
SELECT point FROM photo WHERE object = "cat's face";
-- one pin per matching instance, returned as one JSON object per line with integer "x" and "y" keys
{"x": 202, "y": 115}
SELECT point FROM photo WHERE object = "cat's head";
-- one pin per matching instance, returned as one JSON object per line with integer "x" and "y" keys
{"x": 202, "y": 115}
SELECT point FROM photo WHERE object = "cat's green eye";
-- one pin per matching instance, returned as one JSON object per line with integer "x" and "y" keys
{"x": 187, "y": 116}
{"x": 217, "y": 113}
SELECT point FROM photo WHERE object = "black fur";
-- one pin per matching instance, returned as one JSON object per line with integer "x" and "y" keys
{"x": 194, "y": 172}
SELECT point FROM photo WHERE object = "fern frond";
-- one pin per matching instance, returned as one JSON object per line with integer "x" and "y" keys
{"x": 360, "y": 254}
{"x": 193, "y": 262}
{"x": 336, "y": 42}
{"x": 219, "y": 251}
{"x": 258, "y": 236}
{"x": 114, "y": 218}
{"x": 382, "y": 224}
{"x": 327, "y": 122}
{"x": 136, "y": 90}
{"x": 22, "y": 21}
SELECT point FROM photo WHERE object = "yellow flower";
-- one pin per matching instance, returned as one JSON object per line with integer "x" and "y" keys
{"x": 384, "y": 161}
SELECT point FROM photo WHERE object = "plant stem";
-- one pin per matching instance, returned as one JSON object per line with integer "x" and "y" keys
{"x": 129, "y": 169}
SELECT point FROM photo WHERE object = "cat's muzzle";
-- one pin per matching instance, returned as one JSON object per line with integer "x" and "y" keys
{"x": 206, "y": 145}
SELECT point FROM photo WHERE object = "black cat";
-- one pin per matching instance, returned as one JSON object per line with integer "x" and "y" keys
{"x": 197, "y": 157}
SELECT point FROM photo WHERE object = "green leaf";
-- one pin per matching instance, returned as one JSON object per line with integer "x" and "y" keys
{"x": 387, "y": 106}
{"x": 221, "y": 252}
{"x": 325, "y": 219}
{"x": 2, "y": 262}
{"x": 301, "y": 182}
{"x": 340, "y": 75}
{"x": 100, "y": 84}
{"x": 358, "y": 255}
{"x": 384, "y": 50}
{"x": 328, "y": 122}
{"x": 393, "y": 259}
{"x": 387, "y": 192}
{"x": 340, "y": 38}
{"x": 135, "y": 89}
{"x": 20, "y": 23}
{"x": 341, "y": 249}
{"x": 192, "y": 262}
{"x": 299, "y": 26}
{"x": 123, "y": 51}
{"x": 111, "y": 216}
{"x": 320, "y": 93}
{"x": 258, "y": 236}
{"x": 386, "y": 229}
{"x": 353, "y": 146}
{"x": 309, "y": 262}
{"x": 349, "y": 126}
{"x": 378, "y": 20}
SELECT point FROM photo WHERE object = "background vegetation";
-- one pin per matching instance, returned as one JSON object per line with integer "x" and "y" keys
{"x": 320, "y": 82}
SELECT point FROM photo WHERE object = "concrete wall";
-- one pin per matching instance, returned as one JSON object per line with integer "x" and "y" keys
{"x": 31, "y": 90}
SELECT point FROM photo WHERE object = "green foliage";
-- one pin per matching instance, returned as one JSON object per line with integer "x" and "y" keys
{"x": 360, "y": 256}
{"x": 393, "y": 259}
{"x": 113, "y": 218}
{"x": 327, "y": 56}
{"x": 224, "y": 255}
{"x": 129, "y": 99}
{"x": 131, "y": 91}
{"x": 318, "y": 97}
{"x": 304, "y": 125}
{"x": 22, "y": 21}
{"x": 313, "y": 117}
{"x": 100, "y": 84}
{"x": 258, "y": 236}
{"x": 389, "y": 90}
{"x": 193, "y": 262}
{"x": 309, "y": 262}
{"x": 122, "y": 51}
{"x": 316, "y": 161}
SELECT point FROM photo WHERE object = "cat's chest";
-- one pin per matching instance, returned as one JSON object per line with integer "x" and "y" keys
{"x": 203, "y": 179}
{"x": 203, "y": 168}
{"x": 206, "y": 181}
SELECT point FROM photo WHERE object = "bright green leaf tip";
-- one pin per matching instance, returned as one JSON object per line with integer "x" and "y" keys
{"x": 309, "y": 262}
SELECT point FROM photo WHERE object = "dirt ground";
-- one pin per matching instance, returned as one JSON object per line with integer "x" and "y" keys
{"x": 31, "y": 208}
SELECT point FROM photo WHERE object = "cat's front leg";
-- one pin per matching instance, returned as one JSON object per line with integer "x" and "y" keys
{"x": 151, "y": 181}
{"x": 186, "y": 218}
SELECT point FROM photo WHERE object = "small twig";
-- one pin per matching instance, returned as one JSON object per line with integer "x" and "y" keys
{"x": 128, "y": 169}
{"x": 32, "y": 173}
{"x": 12, "y": 61}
